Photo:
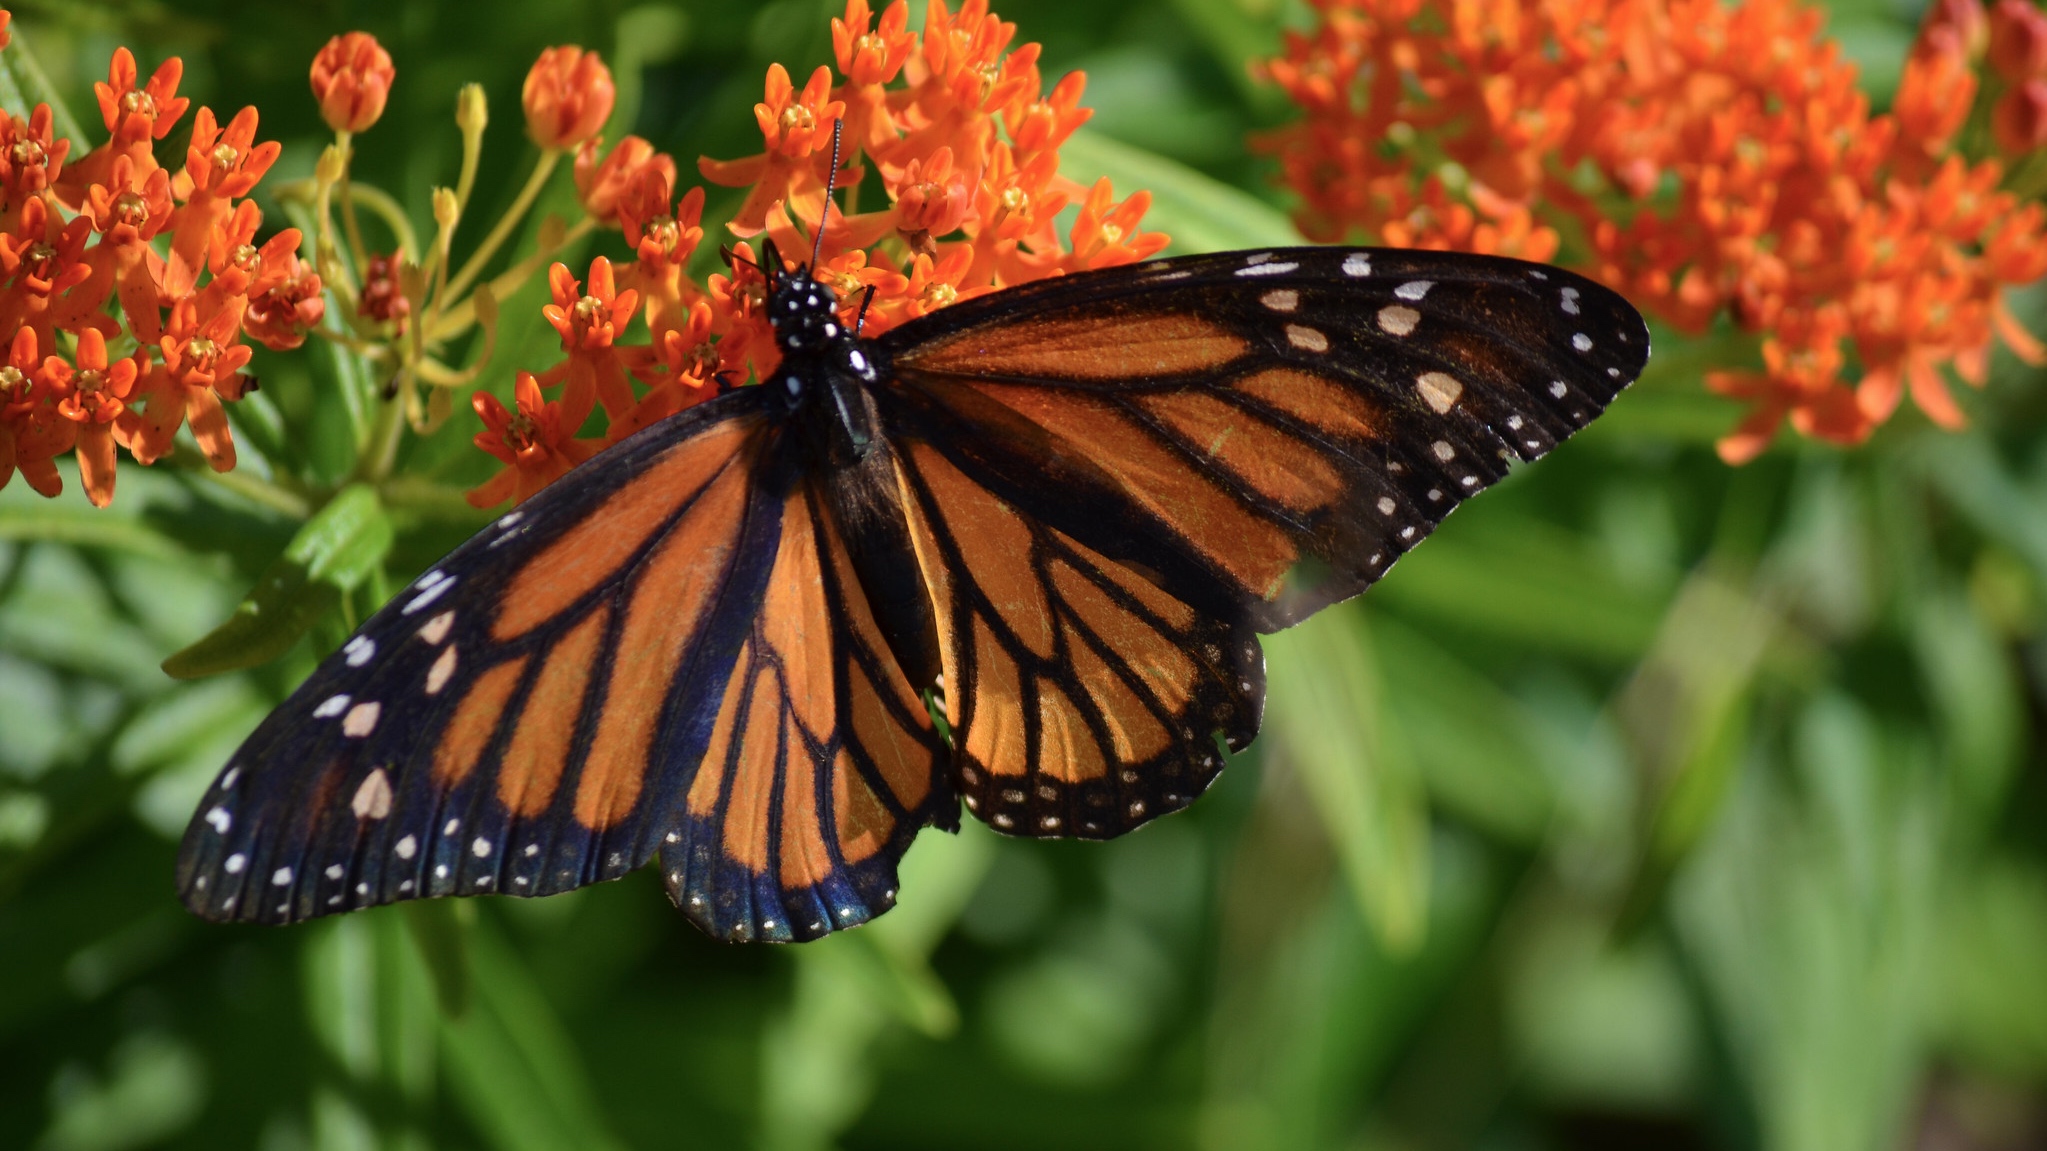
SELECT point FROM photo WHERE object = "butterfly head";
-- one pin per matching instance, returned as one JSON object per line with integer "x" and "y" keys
{"x": 803, "y": 311}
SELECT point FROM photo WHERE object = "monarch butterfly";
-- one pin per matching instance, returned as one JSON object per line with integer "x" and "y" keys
{"x": 1014, "y": 553}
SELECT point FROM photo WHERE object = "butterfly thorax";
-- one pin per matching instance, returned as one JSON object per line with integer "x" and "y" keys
{"x": 825, "y": 371}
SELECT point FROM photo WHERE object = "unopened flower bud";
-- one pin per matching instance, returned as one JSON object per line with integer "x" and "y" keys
{"x": 472, "y": 109}
{"x": 2018, "y": 41}
{"x": 352, "y": 78}
{"x": 567, "y": 97}
{"x": 2019, "y": 119}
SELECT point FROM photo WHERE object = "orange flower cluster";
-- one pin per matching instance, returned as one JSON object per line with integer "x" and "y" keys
{"x": 963, "y": 141}
{"x": 75, "y": 236}
{"x": 1716, "y": 158}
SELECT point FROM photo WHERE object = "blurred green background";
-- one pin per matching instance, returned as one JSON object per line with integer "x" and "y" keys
{"x": 1652, "y": 803}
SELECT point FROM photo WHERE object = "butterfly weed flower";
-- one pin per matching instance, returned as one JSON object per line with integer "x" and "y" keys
{"x": 114, "y": 249}
{"x": 1715, "y": 161}
{"x": 351, "y": 78}
{"x": 963, "y": 136}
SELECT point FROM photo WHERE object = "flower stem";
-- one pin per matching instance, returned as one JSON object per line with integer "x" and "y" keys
{"x": 458, "y": 318}
{"x": 357, "y": 255}
{"x": 503, "y": 229}
{"x": 379, "y": 201}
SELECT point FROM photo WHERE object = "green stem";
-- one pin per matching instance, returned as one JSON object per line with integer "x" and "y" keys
{"x": 503, "y": 229}
{"x": 61, "y": 120}
{"x": 377, "y": 462}
{"x": 359, "y": 257}
{"x": 458, "y": 318}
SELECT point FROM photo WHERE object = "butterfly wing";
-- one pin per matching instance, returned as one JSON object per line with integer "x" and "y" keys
{"x": 532, "y": 714}
{"x": 823, "y": 763}
{"x": 1156, "y": 462}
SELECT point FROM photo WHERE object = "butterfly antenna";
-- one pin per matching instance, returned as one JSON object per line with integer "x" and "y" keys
{"x": 861, "y": 321}
{"x": 830, "y": 185}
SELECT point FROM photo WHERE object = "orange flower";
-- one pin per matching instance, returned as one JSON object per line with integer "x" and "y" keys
{"x": 568, "y": 96}
{"x": 280, "y": 316}
{"x": 382, "y": 300}
{"x": 534, "y": 441}
{"x": 589, "y": 325}
{"x": 2018, "y": 41}
{"x": 2018, "y": 121}
{"x": 30, "y": 159}
{"x": 134, "y": 115}
{"x": 969, "y": 211}
{"x": 1717, "y": 158}
{"x": 352, "y": 77}
{"x": 600, "y": 185}
{"x": 92, "y": 396}
{"x": 32, "y": 434}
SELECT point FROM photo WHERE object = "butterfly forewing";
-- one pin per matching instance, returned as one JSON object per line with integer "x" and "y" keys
{"x": 1250, "y": 437}
{"x": 523, "y": 717}
{"x": 1272, "y": 428}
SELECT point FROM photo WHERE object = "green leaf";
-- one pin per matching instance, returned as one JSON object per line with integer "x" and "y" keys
{"x": 333, "y": 553}
{"x": 1327, "y": 710}
{"x": 511, "y": 1062}
{"x": 1199, "y": 213}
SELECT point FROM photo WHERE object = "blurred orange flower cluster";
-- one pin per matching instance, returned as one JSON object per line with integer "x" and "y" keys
{"x": 1713, "y": 158}
{"x": 73, "y": 236}
{"x": 962, "y": 140}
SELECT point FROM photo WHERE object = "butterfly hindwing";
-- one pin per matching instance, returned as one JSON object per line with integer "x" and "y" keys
{"x": 823, "y": 762}
{"x": 519, "y": 719}
{"x": 1083, "y": 698}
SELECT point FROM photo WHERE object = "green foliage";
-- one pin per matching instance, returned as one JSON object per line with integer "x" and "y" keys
{"x": 1650, "y": 802}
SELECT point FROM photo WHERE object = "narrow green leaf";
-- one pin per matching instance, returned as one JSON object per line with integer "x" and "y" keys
{"x": 34, "y": 86}
{"x": 333, "y": 553}
{"x": 1200, "y": 214}
{"x": 1327, "y": 711}
{"x": 439, "y": 928}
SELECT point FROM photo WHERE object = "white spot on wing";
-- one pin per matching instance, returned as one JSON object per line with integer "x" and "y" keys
{"x": 228, "y": 780}
{"x": 1439, "y": 390}
{"x": 436, "y": 629}
{"x": 360, "y": 650}
{"x": 1267, "y": 269}
{"x": 1281, "y": 299}
{"x": 1443, "y": 450}
{"x": 1306, "y": 338}
{"x": 1581, "y": 341}
{"x": 281, "y": 877}
{"x": 443, "y": 669}
{"x": 334, "y": 871}
{"x": 428, "y": 593}
{"x": 1386, "y": 505}
{"x": 1557, "y": 388}
{"x": 1398, "y": 319}
{"x": 407, "y": 848}
{"x": 334, "y": 705}
{"x": 219, "y": 820}
{"x": 1357, "y": 264}
{"x": 235, "y": 863}
{"x": 373, "y": 798}
{"x": 1571, "y": 302}
{"x": 362, "y": 719}
{"x": 480, "y": 848}
{"x": 1414, "y": 290}
{"x": 453, "y": 826}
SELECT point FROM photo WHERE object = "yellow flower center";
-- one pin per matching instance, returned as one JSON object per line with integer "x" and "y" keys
{"x": 519, "y": 433}
{"x": 142, "y": 102}
{"x": 589, "y": 310}
{"x": 224, "y": 156}
{"x": 13, "y": 383}
{"x": 27, "y": 153}
{"x": 131, "y": 209}
{"x": 40, "y": 253}
{"x": 1111, "y": 235}
{"x": 989, "y": 74}
{"x": 202, "y": 349}
{"x": 246, "y": 257}
{"x": 872, "y": 42}
{"x": 939, "y": 294}
{"x": 89, "y": 381}
{"x": 702, "y": 361}
{"x": 1015, "y": 199}
{"x": 797, "y": 119}
{"x": 665, "y": 233}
